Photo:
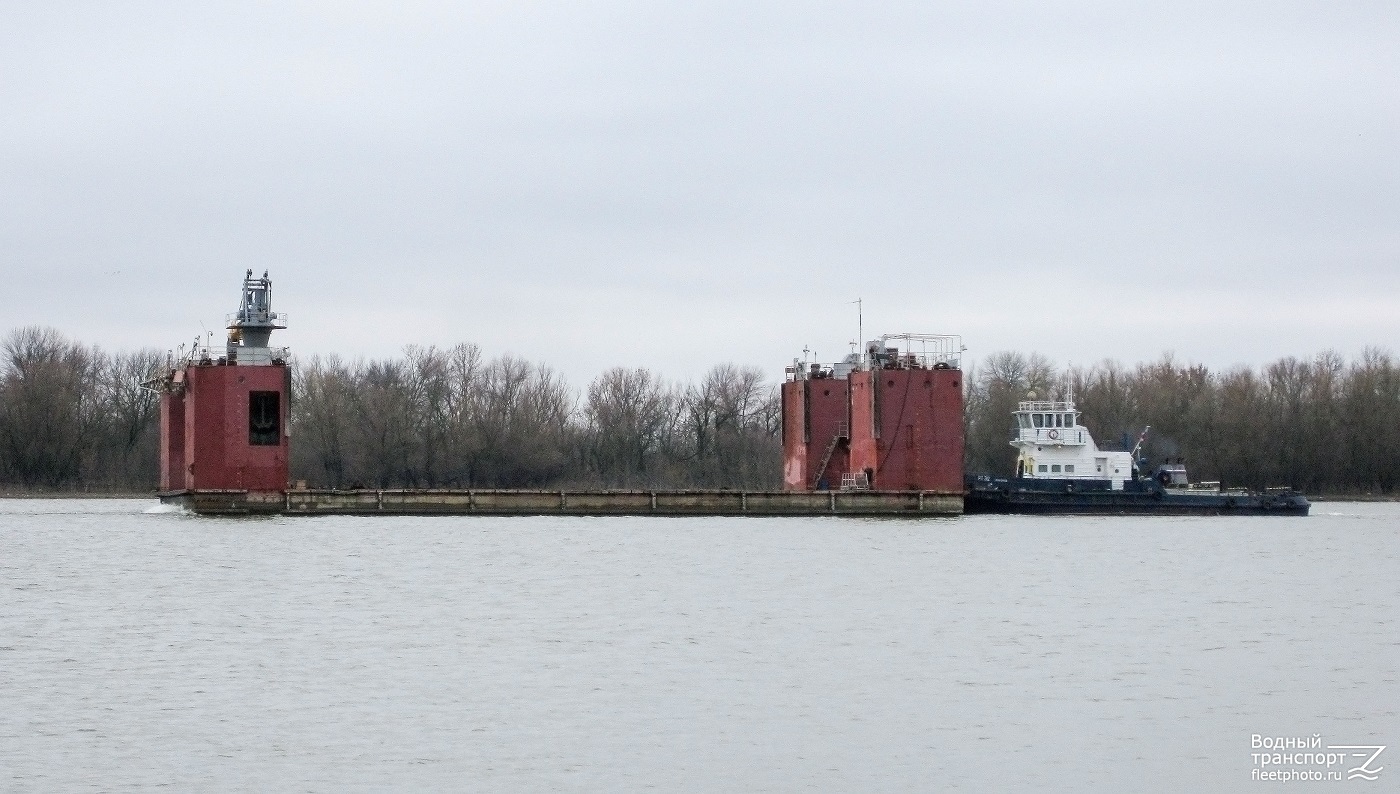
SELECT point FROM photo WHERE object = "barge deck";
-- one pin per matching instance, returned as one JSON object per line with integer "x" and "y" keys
{"x": 515, "y": 502}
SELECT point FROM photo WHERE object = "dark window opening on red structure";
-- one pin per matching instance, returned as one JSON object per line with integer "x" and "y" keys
{"x": 264, "y": 418}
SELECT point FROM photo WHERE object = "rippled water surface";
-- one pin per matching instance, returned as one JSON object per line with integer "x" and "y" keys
{"x": 147, "y": 648}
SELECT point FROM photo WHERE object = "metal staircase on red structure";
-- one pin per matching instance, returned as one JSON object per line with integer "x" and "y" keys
{"x": 843, "y": 433}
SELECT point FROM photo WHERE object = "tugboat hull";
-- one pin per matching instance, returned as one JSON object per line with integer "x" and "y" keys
{"x": 986, "y": 494}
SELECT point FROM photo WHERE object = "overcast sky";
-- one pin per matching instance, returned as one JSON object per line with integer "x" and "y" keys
{"x": 674, "y": 185}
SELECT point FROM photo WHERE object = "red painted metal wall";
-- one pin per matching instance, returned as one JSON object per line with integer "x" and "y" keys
{"x": 816, "y": 449}
{"x": 206, "y": 441}
{"x": 172, "y": 441}
{"x": 828, "y": 409}
{"x": 907, "y": 428}
{"x": 794, "y": 436}
{"x": 864, "y": 453}
{"x": 902, "y": 427}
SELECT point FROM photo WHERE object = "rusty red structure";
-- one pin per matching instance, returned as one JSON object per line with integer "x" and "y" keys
{"x": 888, "y": 419}
{"x": 223, "y": 414}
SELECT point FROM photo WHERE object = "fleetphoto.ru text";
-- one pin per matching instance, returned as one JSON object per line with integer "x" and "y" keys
{"x": 1287, "y": 758}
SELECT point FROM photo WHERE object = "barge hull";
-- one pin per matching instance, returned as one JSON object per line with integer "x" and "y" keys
{"x": 568, "y": 503}
{"x": 999, "y": 495}
{"x": 1144, "y": 507}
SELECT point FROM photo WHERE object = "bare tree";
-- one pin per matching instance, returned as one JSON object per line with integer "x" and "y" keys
{"x": 74, "y": 416}
{"x": 726, "y": 430}
{"x": 1005, "y": 379}
{"x": 1371, "y": 412}
{"x": 321, "y": 416}
{"x": 127, "y": 453}
{"x": 628, "y": 412}
{"x": 50, "y": 413}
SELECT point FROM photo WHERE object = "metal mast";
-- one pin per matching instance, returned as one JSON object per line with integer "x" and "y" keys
{"x": 250, "y": 328}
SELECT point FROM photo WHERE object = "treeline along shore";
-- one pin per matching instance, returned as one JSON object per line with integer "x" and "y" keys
{"x": 74, "y": 417}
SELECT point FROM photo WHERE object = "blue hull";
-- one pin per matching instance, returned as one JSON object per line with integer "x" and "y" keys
{"x": 988, "y": 494}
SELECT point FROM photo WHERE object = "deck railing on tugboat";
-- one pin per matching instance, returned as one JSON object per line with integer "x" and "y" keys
{"x": 1046, "y": 406}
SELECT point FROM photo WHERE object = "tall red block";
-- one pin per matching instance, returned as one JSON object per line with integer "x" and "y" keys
{"x": 892, "y": 421}
{"x": 236, "y": 428}
{"x": 223, "y": 421}
{"x": 816, "y": 432}
{"x": 172, "y": 440}
{"x": 907, "y": 428}
{"x": 794, "y": 435}
{"x": 226, "y": 429}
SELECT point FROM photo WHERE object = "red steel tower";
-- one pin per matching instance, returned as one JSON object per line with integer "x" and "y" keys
{"x": 886, "y": 420}
{"x": 223, "y": 419}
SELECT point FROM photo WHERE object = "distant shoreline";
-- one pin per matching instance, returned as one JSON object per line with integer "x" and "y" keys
{"x": 1344, "y": 498}
{"x": 42, "y": 494}
{"x": 24, "y": 494}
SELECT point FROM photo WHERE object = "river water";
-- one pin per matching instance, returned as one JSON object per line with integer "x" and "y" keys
{"x": 144, "y": 648}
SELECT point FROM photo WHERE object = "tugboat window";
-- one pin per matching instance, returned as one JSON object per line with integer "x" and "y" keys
{"x": 1039, "y": 419}
{"x": 1069, "y": 420}
{"x": 1041, "y": 467}
{"x": 1055, "y": 468}
{"x": 1069, "y": 468}
{"x": 264, "y": 418}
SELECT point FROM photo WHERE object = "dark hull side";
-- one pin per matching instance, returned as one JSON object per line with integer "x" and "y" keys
{"x": 987, "y": 494}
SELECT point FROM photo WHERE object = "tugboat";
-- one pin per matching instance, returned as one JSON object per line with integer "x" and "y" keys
{"x": 1059, "y": 469}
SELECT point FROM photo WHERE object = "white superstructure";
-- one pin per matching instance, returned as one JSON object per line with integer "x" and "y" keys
{"x": 1052, "y": 445}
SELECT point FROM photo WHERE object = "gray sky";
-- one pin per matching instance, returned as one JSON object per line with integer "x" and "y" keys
{"x": 594, "y": 184}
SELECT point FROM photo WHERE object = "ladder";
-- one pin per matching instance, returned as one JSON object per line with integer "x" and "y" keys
{"x": 843, "y": 433}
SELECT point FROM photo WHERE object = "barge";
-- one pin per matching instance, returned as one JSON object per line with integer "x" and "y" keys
{"x": 226, "y": 442}
{"x": 521, "y": 502}
{"x": 879, "y": 433}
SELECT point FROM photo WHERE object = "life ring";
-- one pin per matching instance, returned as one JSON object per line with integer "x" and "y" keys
{"x": 1054, "y": 434}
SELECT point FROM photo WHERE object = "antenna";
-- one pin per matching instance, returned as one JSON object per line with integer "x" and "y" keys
{"x": 860, "y": 327}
